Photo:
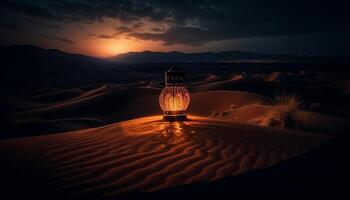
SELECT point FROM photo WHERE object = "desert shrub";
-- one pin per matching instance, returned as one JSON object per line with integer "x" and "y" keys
{"x": 285, "y": 112}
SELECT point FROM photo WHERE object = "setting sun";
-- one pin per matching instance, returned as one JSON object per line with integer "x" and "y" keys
{"x": 108, "y": 48}
{"x": 114, "y": 47}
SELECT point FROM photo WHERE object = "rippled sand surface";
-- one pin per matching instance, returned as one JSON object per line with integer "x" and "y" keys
{"x": 148, "y": 154}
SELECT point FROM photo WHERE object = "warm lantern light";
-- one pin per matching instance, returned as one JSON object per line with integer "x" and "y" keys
{"x": 174, "y": 98}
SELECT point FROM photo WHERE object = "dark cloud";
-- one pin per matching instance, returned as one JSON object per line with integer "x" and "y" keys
{"x": 138, "y": 25}
{"x": 53, "y": 26}
{"x": 28, "y": 9}
{"x": 156, "y": 29}
{"x": 124, "y": 29}
{"x": 89, "y": 10}
{"x": 90, "y": 34}
{"x": 195, "y": 22}
{"x": 108, "y": 37}
{"x": 129, "y": 29}
{"x": 179, "y": 35}
{"x": 60, "y": 39}
{"x": 44, "y": 24}
{"x": 198, "y": 22}
{"x": 81, "y": 26}
{"x": 121, "y": 30}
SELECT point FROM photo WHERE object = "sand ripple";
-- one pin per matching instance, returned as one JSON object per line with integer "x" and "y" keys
{"x": 147, "y": 154}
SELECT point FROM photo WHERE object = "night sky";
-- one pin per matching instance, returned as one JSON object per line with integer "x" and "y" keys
{"x": 106, "y": 28}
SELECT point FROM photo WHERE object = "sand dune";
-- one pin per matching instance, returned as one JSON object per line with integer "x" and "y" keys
{"x": 269, "y": 116}
{"x": 338, "y": 87}
{"x": 272, "y": 76}
{"x": 205, "y": 103}
{"x": 38, "y": 91}
{"x": 117, "y": 143}
{"x": 243, "y": 97}
{"x": 90, "y": 106}
{"x": 236, "y": 126}
{"x": 110, "y": 103}
{"x": 237, "y": 77}
{"x": 60, "y": 95}
{"x": 53, "y": 110}
{"x": 205, "y": 79}
{"x": 265, "y": 88}
{"x": 147, "y": 154}
{"x": 101, "y": 103}
{"x": 289, "y": 78}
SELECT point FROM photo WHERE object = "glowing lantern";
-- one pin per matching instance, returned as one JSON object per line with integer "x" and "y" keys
{"x": 174, "y": 98}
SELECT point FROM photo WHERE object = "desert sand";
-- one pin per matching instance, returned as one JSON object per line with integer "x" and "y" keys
{"x": 108, "y": 139}
{"x": 148, "y": 154}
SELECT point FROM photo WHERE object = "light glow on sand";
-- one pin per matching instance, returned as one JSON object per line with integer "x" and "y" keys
{"x": 172, "y": 132}
{"x": 149, "y": 154}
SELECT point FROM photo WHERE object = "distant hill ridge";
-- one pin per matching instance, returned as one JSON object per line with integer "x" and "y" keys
{"x": 225, "y": 56}
{"x": 25, "y": 51}
{"x": 30, "y": 52}
{"x": 32, "y": 65}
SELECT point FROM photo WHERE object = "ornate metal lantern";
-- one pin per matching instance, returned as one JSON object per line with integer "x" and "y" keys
{"x": 174, "y": 98}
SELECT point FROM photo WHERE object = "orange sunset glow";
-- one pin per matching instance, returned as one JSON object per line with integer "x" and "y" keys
{"x": 102, "y": 40}
{"x": 107, "y": 48}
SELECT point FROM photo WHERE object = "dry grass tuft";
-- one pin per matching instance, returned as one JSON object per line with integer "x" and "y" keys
{"x": 285, "y": 113}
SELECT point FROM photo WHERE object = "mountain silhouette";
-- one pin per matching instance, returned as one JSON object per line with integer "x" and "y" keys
{"x": 31, "y": 65}
{"x": 211, "y": 57}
